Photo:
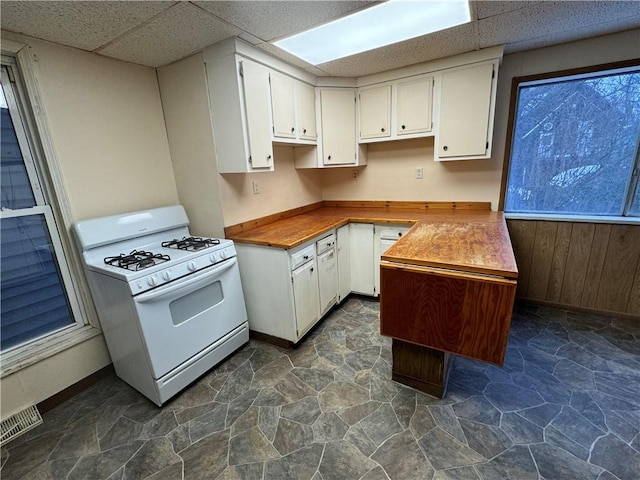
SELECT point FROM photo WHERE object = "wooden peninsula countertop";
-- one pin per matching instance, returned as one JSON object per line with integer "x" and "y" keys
{"x": 452, "y": 235}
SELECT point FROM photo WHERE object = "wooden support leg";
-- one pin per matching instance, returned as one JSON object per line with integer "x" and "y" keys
{"x": 422, "y": 368}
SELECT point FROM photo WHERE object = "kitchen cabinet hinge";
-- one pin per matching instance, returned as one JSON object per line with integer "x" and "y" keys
{"x": 487, "y": 146}
{"x": 250, "y": 160}
{"x": 241, "y": 70}
{"x": 493, "y": 73}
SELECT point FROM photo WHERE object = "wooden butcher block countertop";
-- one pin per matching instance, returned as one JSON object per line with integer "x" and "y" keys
{"x": 459, "y": 236}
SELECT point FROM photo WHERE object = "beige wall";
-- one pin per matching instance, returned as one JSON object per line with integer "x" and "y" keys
{"x": 390, "y": 174}
{"x": 108, "y": 130}
{"x": 183, "y": 87}
{"x": 282, "y": 189}
{"x": 106, "y": 119}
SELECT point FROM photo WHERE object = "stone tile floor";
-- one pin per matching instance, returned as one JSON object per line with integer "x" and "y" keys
{"x": 566, "y": 405}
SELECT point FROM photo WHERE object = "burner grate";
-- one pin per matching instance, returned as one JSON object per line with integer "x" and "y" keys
{"x": 191, "y": 244}
{"x": 136, "y": 260}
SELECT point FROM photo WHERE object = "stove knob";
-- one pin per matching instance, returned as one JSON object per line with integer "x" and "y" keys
{"x": 212, "y": 258}
{"x": 223, "y": 254}
{"x": 152, "y": 281}
{"x": 191, "y": 266}
{"x": 166, "y": 276}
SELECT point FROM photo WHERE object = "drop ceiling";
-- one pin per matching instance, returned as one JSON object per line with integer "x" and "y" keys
{"x": 157, "y": 33}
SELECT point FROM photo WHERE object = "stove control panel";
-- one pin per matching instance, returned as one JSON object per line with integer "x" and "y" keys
{"x": 195, "y": 262}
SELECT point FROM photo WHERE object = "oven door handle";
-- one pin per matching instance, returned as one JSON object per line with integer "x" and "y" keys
{"x": 204, "y": 278}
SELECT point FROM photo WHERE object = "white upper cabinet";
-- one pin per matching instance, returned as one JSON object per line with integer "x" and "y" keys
{"x": 466, "y": 105}
{"x": 257, "y": 106}
{"x": 338, "y": 123}
{"x": 396, "y": 110}
{"x": 293, "y": 108}
{"x": 241, "y": 114}
{"x": 283, "y": 105}
{"x": 414, "y": 106}
{"x": 305, "y": 96}
{"x": 375, "y": 112}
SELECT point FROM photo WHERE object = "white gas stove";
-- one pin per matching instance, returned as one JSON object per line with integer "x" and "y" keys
{"x": 170, "y": 304}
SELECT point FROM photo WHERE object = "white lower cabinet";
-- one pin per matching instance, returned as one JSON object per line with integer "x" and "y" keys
{"x": 344, "y": 262}
{"x": 327, "y": 272}
{"x": 385, "y": 235}
{"x": 288, "y": 291}
{"x": 306, "y": 296}
{"x": 361, "y": 257}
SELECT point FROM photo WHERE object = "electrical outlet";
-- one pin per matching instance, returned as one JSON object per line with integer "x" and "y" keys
{"x": 355, "y": 174}
{"x": 419, "y": 172}
{"x": 256, "y": 190}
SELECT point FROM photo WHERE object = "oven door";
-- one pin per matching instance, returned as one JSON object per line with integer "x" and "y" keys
{"x": 182, "y": 318}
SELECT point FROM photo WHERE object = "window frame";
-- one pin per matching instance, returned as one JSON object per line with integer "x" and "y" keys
{"x": 549, "y": 77}
{"x": 44, "y": 162}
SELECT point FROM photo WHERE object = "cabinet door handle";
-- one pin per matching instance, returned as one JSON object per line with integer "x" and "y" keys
{"x": 312, "y": 269}
{"x": 268, "y": 157}
{"x": 404, "y": 126}
{"x": 304, "y": 130}
{"x": 382, "y": 129}
{"x": 293, "y": 129}
{"x": 329, "y": 157}
{"x": 445, "y": 148}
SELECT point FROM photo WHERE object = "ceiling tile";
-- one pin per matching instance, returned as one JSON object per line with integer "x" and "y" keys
{"x": 605, "y": 28}
{"x": 490, "y": 8}
{"x": 275, "y": 19}
{"x": 549, "y": 19}
{"x": 421, "y": 49}
{"x": 85, "y": 25}
{"x": 177, "y": 33}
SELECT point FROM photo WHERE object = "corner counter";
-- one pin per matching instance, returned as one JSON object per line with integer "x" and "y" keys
{"x": 446, "y": 287}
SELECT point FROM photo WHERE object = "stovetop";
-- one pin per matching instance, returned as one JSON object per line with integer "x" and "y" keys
{"x": 148, "y": 248}
{"x": 140, "y": 259}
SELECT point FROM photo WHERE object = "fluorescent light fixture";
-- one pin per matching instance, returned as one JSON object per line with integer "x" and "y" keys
{"x": 383, "y": 24}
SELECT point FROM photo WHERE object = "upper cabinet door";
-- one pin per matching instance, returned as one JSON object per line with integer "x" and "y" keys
{"x": 375, "y": 112}
{"x": 257, "y": 98}
{"x": 466, "y": 114}
{"x": 338, "y": 116}
{"x": 415, "y": 106}
{"x": 283, "y": 105}
{"x": 306, "y": 102}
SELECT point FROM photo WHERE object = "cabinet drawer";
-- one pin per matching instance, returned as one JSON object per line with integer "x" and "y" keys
{"x": 325, "y": 243}
{"x": 392, "y": 233}
{"x": 303, "y": 256}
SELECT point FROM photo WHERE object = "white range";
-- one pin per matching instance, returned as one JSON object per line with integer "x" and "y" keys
{"x": 171, "y": 305}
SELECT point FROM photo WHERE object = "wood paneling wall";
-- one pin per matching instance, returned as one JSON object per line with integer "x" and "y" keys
{"x": 584, "y": 265}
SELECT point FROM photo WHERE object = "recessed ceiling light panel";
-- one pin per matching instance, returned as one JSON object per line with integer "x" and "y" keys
{"x": 383, "y": 24}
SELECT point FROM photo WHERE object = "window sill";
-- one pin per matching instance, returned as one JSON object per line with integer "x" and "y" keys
{"x": 34, "y": 352}
{"x": 573, "y": 218}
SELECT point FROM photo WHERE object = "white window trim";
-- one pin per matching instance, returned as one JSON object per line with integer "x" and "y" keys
{"x": 553, "y": 217}
{"x": 88, "y": 325}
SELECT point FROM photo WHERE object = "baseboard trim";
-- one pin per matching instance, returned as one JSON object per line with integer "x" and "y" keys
{"x": 73, "y": 390}
{"x": 577, "y": 308}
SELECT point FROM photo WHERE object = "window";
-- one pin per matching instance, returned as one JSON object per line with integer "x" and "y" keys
{"x": 574, "y": 146}
{"x": 38, "y": 299}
